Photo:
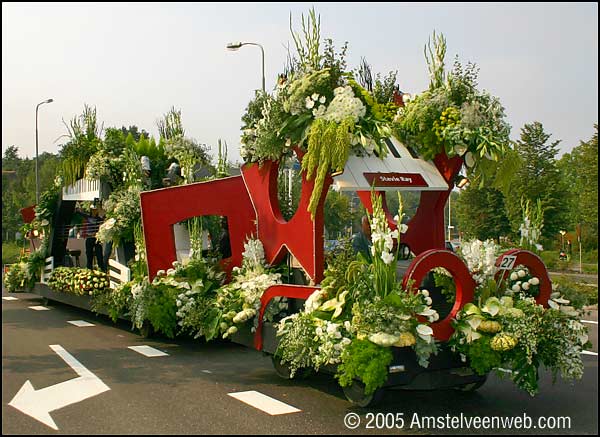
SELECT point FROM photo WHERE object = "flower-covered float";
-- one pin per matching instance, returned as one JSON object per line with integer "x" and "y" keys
{"x": 372, "y": 320}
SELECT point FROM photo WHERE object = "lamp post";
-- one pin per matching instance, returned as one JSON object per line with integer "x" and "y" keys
{"x": 234, "y": 46}
{"x": 37, "y": 177}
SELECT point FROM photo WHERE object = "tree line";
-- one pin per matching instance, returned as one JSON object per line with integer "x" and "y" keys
{"x": 567, "y": 188}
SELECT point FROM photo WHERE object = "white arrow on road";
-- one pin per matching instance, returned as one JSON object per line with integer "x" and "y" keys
{"x": 39, "y": 403}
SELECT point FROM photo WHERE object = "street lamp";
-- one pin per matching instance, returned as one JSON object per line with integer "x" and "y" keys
{"x": 37, "y": 177}
{"x": 234, "y": 46}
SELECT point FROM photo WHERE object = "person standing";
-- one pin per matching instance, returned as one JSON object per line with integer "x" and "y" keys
{"x": 93, "y": 248}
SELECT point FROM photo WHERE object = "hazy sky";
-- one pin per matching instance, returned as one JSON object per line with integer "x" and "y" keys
{"x": 133, "y": 61}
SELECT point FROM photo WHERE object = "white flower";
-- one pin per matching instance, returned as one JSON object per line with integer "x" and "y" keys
{"x": 521, "y": 273}
{"x": 428, "y": 300}
{"x": 425, "y": 332}
{"x": 534, "y": 281}
{"x": 322, "y": 99}
{"x": 309, "y": 103}
{"x": 425, "y": 293}
{"x": 516, "y": 288}
{"x": 403, "y": 228}
{"x": 514, "y": 276}
{"x": 525, "y": 286}
{"x": 315, "y": 97}
{"x": 387, "y": 257}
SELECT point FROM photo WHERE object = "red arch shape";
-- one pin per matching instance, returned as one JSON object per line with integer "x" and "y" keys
{"x": 465, "y": 284}
{"x": 536, "y": 267}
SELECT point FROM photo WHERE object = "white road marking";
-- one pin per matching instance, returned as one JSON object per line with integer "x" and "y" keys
{"x": 206, "y": 371}
{"x": 10, "y": 298}
{"x": 148, "y": 351}
{"x": 264, "y": 403}
{"x": 589, "y": 321}
{"x": 80, "y": 323}
{"x": 39, "y": 403}
{"x": 589, "y": 353}
{"x": 39, "y": 308}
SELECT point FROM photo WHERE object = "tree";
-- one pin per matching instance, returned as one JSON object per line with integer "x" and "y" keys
{"x": 537, "y": 177}
{"x": 579, "y": 170}
{"x": 481, "y": 213}
{"x": 338, "y": 216}
{"x": 133, "y": 130}
{"x": 18, "y": 188}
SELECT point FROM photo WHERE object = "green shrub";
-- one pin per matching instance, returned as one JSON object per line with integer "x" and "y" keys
{"x": 579, "y": 295}
{"x": 11, "y": 252}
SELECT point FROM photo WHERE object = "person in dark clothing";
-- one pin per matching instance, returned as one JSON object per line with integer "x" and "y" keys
{"x": 224, "y": 243}
{"x": 93, "y": 248}
{"x": 361, "y": 242}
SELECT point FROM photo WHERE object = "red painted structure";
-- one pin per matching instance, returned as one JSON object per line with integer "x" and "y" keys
{"x": 465, "y": 284}
{"x": 536, "y": 267}
{"x": 250, "y": 203}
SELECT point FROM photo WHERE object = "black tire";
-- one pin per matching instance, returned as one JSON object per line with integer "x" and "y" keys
{"x": 355, "y": 393}
{"x": 147, "y": 330}
{"x": 472, "y": 386}
{"x": 282, "y": 370}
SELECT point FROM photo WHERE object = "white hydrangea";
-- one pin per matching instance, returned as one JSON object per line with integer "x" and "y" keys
{"x": 344, "y": 105}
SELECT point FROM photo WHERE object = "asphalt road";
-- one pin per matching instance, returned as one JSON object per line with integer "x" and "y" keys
{"x": 186, "y": 392}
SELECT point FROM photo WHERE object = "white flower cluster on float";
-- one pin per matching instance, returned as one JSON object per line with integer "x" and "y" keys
{"x": 253, "y": 255}
{"x": 480, "y": 257}
{"x": 343, "y": 105}
{"x": 106, "y": 230}
{"x": 333, "y": 338}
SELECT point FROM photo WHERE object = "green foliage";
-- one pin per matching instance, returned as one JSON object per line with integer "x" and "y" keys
{"x": 579, "y": 170}
{"x": 161, "y": 310}
{"x": 19, "y": 188}
{"x": 11, "y": 252}
{"x": 307, "y": 46}
{"x": 454, "y": 117}
{"x": 579, "y": 295}
{"x": 17, "y": 278}
{"x": 366, "y": 362}
{"x": 338, "y": 216}
{"x": 170, "y": 126}
{"x": 482, "y": 358}
{"x": 481, "y": 213}
{"x": 124, "y": 207}
{"x": 328, "y": 149}
{"x": 114, "y": 302}
{"x": 298, "y": 344}
{"x": 435, "y": 60}
{"x": 84, "y": 140}
{"x": 537, "y": 178}
{"x": 521, "y": 336}
{"x": 446, "y": 283}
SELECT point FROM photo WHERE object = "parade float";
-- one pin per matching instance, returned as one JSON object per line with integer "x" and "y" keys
{"x": 376, "y": 321}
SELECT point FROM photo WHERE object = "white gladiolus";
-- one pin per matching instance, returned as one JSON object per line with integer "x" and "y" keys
{"x": 425, "y": 293}
{"x": 387, "y": 257}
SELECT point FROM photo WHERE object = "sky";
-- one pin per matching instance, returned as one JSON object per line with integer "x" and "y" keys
{"x": 134, "y": 61}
